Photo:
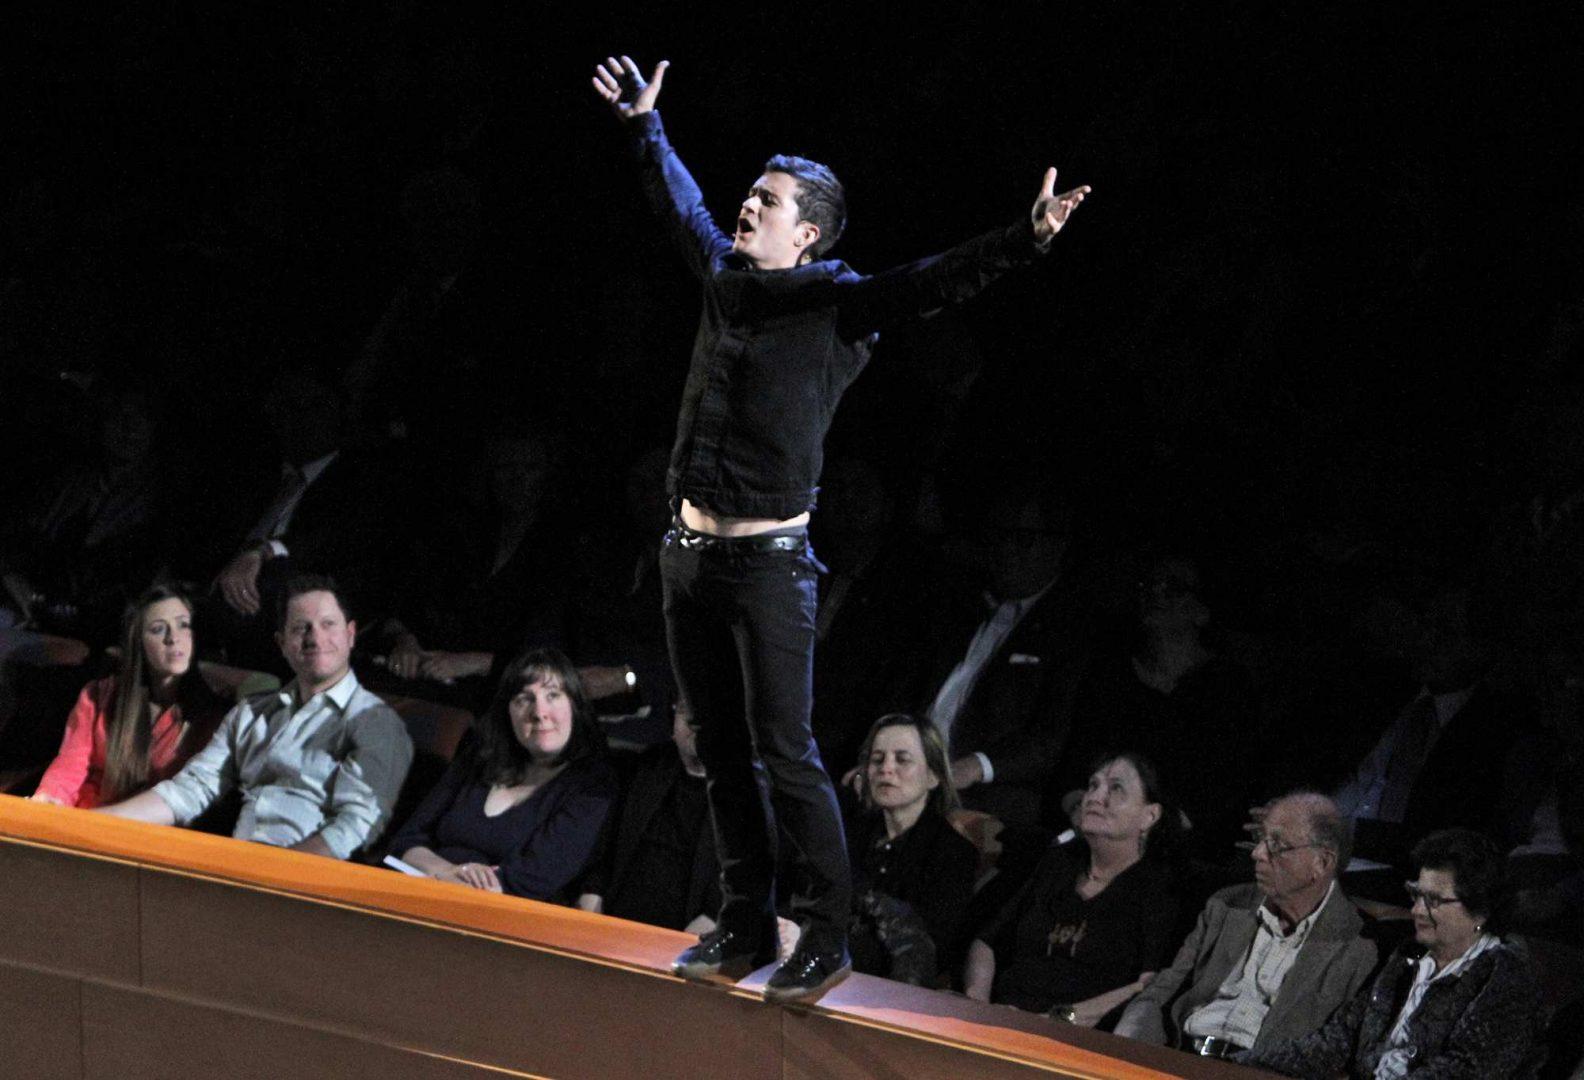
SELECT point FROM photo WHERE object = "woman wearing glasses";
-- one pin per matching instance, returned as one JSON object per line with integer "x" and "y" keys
{"x": 1457, "y": 1003}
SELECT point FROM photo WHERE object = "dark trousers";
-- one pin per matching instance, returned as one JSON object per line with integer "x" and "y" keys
{"x": 740, "y": 624}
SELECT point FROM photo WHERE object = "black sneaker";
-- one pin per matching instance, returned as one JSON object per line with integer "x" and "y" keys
{"x": 723, "y": 952}
{"x": 807, "y": 974}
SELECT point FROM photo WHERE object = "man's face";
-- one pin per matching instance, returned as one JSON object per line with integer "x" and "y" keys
{"x": 1022, "y": 551}
{"x": 1286, "y": 862}
{"x": 685, "y": 737}
{"x": 770, "y": 233}
{"x": 305, "y": 415}
{"x": 316, "y": 640}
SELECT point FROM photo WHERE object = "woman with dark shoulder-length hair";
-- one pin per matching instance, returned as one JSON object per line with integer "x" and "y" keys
{"x": 913, "y": 874}
{"x": 1456, "y": 1003}
{"x": 520, "y": 809}
{"x": 1096, "y": 920}
{"x": 130, "y": 730}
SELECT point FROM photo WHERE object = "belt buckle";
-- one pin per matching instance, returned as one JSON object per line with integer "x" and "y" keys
{"x": 1214, "y": 1046}
{"x": 686, "y": 539}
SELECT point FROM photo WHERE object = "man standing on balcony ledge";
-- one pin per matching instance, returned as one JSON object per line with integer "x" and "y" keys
{"x": 784, "y": 332}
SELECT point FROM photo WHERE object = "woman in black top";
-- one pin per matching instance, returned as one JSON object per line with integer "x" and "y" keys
{"x": 520, "y": 809}
{"x": 913, "y": 874}
{"x": 1096, "y": 920}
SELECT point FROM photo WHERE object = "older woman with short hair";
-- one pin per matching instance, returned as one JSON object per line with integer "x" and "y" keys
{"x": 1457, "y": 1003}
{"x": 1096, "y": 921}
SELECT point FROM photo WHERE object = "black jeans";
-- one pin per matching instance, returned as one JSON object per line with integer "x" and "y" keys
{"x": 740, "y": 623}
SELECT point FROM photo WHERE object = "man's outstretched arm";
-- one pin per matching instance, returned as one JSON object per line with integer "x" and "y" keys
{"x": 1051, "y": 211}
{"x": 623, "y": 87}
{"x": 668, "y": 185}
{"x": 956, "y": 275}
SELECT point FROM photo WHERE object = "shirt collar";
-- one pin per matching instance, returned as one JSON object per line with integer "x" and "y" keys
{"x": 1272, "y": 921}
{"x": 1485, "y": 943}
{"x": 1447, "y": 705}
{"x": 1022, "y": 606}
{"x": 339, "y": 694}
{"x": 311, "y": 471}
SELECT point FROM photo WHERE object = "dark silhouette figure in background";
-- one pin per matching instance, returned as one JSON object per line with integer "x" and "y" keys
{"x": 1180, "y": 702}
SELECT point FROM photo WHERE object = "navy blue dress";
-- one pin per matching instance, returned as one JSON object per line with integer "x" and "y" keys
{"x": 541, "y": 845}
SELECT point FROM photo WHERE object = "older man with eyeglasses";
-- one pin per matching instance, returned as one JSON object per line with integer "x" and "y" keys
{"x": 1270, "y": 960}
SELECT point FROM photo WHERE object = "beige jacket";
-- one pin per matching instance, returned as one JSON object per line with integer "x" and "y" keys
{"x": 1333, "y": 963}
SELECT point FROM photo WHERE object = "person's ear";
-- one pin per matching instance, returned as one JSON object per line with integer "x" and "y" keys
{"x": 807, "y": 236}
{"x": 1152, "y": 814}
{"x": 351, "y": 633}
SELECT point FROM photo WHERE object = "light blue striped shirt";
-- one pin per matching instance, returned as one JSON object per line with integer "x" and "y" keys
{"x": 331, "y": 766}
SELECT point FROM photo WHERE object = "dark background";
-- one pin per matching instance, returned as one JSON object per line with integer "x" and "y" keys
{"x": 1326, "y": 290}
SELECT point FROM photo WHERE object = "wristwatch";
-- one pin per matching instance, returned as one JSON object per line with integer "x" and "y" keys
{"x": 1064, "y": 1013}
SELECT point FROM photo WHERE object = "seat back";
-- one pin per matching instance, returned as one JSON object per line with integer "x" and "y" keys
{"x": 436, "y": 731}
{"x": 40, "y": 676}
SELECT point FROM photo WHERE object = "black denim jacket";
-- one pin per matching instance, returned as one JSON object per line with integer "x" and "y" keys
{"x": 777, "y": 348}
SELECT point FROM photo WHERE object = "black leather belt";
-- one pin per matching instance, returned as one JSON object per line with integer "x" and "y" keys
{"x": 1212, "y": 1046}
{"x": 691, "y": 540}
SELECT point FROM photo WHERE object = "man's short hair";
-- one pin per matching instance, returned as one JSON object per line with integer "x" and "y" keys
{"x": 300, "y": 584}
{"x": 1333, "y": 830}
{"x": 820, "y": 198}
{"x": 1329, "y": 828}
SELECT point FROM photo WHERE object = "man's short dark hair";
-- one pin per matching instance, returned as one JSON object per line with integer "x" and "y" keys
{"x": 300, "y": 584}
{"x": 1473, "y": 860}
{"x": 820, "y": 198}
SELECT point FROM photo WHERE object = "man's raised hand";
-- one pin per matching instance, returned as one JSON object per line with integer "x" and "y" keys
{"x": 1051, "y": 210}
{"x": 623, "y": 87}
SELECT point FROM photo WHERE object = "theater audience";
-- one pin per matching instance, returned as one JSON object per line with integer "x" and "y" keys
{"x": 140, "y": 725}
{"x": 913, "y": 874}
{"x": 484, "y": 581}
{"x": 658, "y": 863}
{"x": 618, "y": 625}
{"x": 1171, "y": 695}
{"x": 328, "y": 509}
{"x": 422, "y": 375}
{"x": 1007, "y": 656}
{"x": 1544, "y": 797}
{"x": 1439, "y": 763}
{"x": 521, "y": 809}
{"x": 318, "y": 764}
{"x": 1267, "y": 961}
{"x": 870, "y": 606}
{"x": 1458, "y": 1002}
{"x": 1095, "y": 922}
{"x": 69, "y": 553}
